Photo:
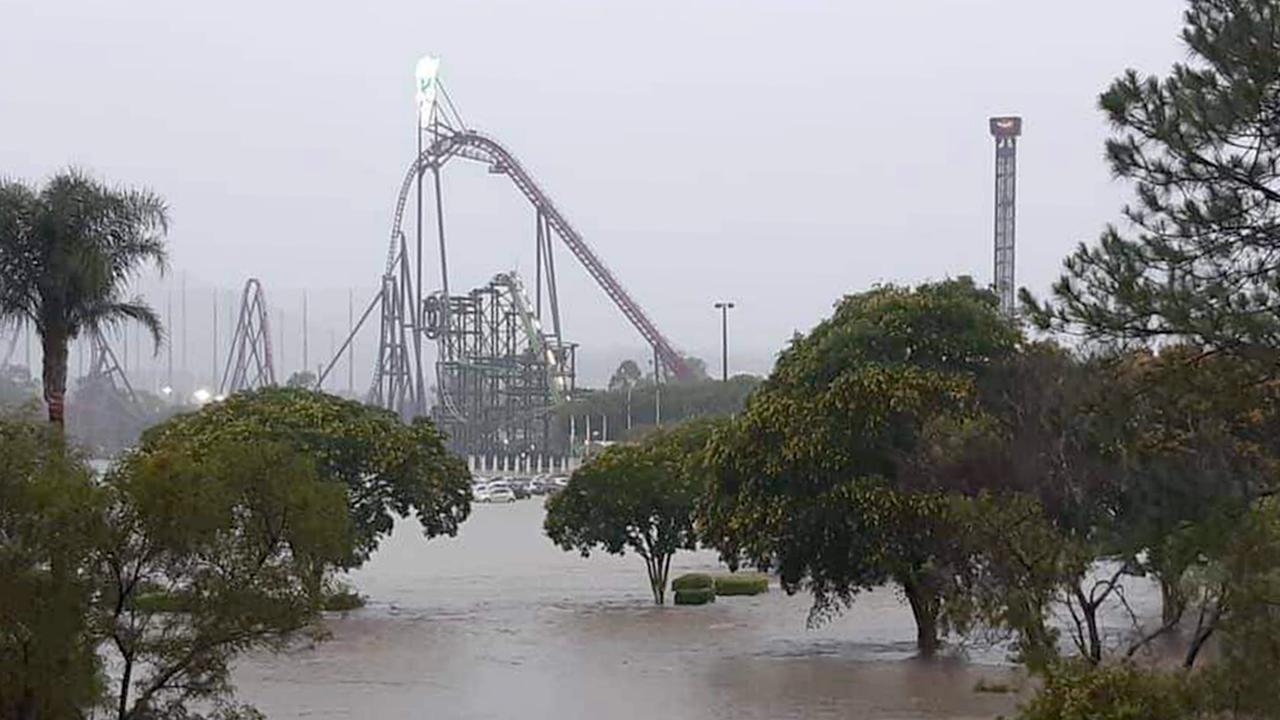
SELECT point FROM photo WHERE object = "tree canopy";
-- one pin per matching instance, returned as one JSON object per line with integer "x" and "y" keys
{"x": 641, "y": 498}
{"x": 389, "y": 469}
{"x": 811, "y": 479}
{"x": 1196, "y": 258}
{"x": 68, "y": 253}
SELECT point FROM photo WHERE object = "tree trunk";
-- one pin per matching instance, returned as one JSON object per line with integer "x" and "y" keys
{"x": 1089, "y": 612}
{"x": 924, "y": 608}
{"x": 1173, "y": 602}
{"x": 55, "y": 375}
{"x": 657, "y": 579}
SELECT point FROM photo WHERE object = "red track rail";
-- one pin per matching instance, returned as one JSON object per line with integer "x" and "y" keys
{"x": 472, "y": 145}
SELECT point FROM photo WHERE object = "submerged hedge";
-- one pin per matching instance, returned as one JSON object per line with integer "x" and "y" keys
{"x": 693, "y": 581}
{"x": 695, "y": 596}
{"x": 741, "y": 584}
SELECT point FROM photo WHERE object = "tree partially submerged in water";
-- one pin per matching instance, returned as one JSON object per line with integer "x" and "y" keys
{"x": 641, "y": 498}
{"x": 811, "y": 480}
{"x": 130, "y": 595}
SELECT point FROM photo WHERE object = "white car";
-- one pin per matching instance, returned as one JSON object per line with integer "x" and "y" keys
{"x": 500, "y": 494}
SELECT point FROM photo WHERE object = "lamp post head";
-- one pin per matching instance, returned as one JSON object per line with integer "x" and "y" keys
{"x": 724, "y": 305}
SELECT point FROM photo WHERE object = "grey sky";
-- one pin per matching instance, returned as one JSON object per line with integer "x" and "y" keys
{"x": 779, "y": 154}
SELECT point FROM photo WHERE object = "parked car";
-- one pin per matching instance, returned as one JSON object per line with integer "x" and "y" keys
{"x": 500, "y": 495}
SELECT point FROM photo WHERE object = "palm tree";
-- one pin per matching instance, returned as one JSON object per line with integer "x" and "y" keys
{"x": 68, "y": 252}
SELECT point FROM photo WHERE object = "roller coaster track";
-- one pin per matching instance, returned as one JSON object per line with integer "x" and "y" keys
{"x": 478, "y": 147}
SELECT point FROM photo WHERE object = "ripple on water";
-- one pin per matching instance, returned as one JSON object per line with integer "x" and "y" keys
{"x": 499, "y": 623}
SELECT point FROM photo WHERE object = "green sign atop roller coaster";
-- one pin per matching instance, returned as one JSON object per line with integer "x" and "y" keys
{"x": 428, "y": 76}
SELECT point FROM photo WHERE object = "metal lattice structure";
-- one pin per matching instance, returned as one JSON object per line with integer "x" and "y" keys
{"x": 494, "y": 385}
{"x": 104, "y": 405}
{"x": 499, "y": 373}
{"x": 249, "y": 363}
{"x": 1006, "y": 130}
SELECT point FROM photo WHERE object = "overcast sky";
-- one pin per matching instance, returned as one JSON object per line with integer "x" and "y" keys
{"x": 779, "y": 154}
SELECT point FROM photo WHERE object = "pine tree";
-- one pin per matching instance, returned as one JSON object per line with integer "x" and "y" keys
{"x": 1199, "y": 257}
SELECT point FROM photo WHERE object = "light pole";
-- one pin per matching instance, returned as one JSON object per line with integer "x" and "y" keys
{"x": 724, "y": 308}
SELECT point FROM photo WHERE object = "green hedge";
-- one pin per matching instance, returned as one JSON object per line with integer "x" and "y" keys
{"x": 695, "y": 596}
{"x": 742, "y": 584}
{"x": 159, "y": 601}
{"x": 693, "y": 581}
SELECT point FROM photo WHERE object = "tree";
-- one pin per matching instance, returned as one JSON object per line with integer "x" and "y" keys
{"x": 163, "y": 570}
{"x": 638, "y": 497}
{"x": 67, "y": 254}
{"x": 302, "y": 379}
{"x": 50, "y": 524}
{"x": 208, "y": 557}
{"x": 1198, "y": 260}
{"x": 389, "y": 469}
{"x": 813, "y": 479}
{"x": 627, "y": 376}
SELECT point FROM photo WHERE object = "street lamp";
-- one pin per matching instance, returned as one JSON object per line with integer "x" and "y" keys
{"x": 724, "y": 308}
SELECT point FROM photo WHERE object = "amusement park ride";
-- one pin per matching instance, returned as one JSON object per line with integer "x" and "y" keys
{"x": 502, "y": 361}
{"x": 502, "y": 364}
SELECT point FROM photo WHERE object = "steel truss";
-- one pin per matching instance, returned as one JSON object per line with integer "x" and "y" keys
{"x": 399, "y": 377}
{"x": 249, "y": 362}
{"x": 499, "y": 374}
{"x": 1006, "y": 130}
{"x": 104, "y": 404}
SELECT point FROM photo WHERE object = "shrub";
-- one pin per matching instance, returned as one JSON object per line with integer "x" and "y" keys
{"x": 695, "y": 596}
{"x": 342, "y": 600}
{"x": 741, "y": 584}
{"x": 1077, "y": 691}
{"x": 693, "y": 581}
{"x": 161, "y": 601}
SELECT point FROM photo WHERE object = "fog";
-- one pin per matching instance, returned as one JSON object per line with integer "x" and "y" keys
{"x": 775, "y": 154}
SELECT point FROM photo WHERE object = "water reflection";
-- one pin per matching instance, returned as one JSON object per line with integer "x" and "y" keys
{"x": 498, "y": 623}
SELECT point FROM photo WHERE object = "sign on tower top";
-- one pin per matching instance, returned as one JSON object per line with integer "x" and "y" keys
{"x": 1010, "y": 126}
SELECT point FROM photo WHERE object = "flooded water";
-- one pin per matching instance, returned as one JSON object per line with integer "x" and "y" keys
{"x": 499, "y": 623}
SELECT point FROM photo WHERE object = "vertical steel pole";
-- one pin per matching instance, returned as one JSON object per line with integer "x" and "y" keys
{"x": 657, "y": 388}
{"x": 186, "y": 369}
{"x": 168, "y": 316}
{"x": 724, "y": 343}
{"x": 306, "y": 359}
{"x": 351, "y": 346}
{"x": 214, "y": 354}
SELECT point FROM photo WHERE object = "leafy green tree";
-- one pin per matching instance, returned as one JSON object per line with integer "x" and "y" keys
{"x": 389, "y": 469}
{"x": 680, "y": 402}
{"x": 67, "y": 254}
{"x": 206, "y": 558}
{"x": 628, "y": 375}
{"x": 1078, "y": 691}
{"x": 302, "y": 379}
{"x": 163, "y": 570}
{"x": 638, "y": 497}
{"x": 816, "y": 479}
{"x": 1197, "y": 260}
{"x": 50, "y": 525}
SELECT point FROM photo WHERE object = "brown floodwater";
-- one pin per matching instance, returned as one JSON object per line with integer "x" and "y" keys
{"x": 499, "y": 623}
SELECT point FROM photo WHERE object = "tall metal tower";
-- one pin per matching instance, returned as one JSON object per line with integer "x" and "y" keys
{"x": 1006, "y": 131}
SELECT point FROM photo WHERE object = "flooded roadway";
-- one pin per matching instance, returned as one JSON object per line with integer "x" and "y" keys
{"x": 499, "y": 623}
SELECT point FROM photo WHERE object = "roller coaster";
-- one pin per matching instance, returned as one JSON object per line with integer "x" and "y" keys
{"x": 502, "y": 363}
